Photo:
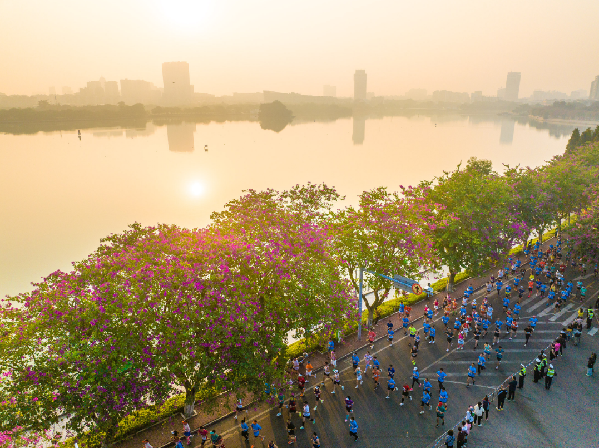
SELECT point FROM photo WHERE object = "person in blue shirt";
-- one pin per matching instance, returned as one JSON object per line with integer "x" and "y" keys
{"x": 426, "y": 327}
{"x": 355, "y": 361}
{"x": 471, "y": 373}
{"x": 179, "y": 443}
{"x": 489, "y": 287}
{"x": 427, "y": 385}
{"x": 390, "y": 386}
{"x": 256, "y": 428}
{"x": 499, "y": 286}
{"x": 445, "y": 320}
{"x": 415, "y": 377}
{"x": 441, "y": 377}
{"x": 426, "y": 398}
{"x": 486, "y": 324}
{"x": 508, "y": 321}
{"x": 516, "y": 281}
{"x": 463, "y": 311}
{"x": 508, "y": 291}
{"x": 245, "y": 430}
{"x": 543, "y": 289}
{"x": 404, "y": 323}
{"x": 443, "y": 397}
{"x": 353, "y": 428}
{"x": 432, "y": 335}
{"x": 390, "y": 334}
{"x": 499, "y": 351}
{"x": 402, "y": 307}
{"x": 457, "y": 325}
{"x": 520, "y": 291}
{"x": 517, "y": 309}
{"x": 518, "y": 263}
{"x": 498, "y": 324}
{"x": 481, "y": 363}
{"x": 331, "y": 345}
{"x": 429, "y": 313}
{"x": 533, "y": 322}
{"x": 376, "y": 363}
{"x": 467, "y": 294}
{"x": 391, "y": 371}
{"x": 506, "y": 303}
{"x": 450, "y": 439}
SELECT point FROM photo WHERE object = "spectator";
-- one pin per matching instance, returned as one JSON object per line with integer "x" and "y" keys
{"x": 591, "y": 363}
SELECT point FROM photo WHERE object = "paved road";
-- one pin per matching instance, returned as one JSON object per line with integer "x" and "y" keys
{"x": 382, "y": 421}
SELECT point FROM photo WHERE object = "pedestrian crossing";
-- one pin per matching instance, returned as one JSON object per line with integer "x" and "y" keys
{"x": 592, "y": 331}
{"x": 561, "y": 313}
{"x": 538, "y": 305}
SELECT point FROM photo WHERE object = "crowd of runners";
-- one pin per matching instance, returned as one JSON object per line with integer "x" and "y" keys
{"x": 297, "y": 407}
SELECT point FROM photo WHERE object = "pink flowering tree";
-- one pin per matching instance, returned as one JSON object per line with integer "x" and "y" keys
{"x": 389, "y": 234}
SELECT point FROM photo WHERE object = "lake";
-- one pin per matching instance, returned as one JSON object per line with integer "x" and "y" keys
{"x": 62, "y": 193}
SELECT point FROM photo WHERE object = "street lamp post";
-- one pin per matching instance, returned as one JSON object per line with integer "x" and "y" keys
{"x": 360, "y": 305}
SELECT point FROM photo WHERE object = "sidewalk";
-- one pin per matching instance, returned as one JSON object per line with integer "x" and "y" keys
{"x": 159, "y": 434}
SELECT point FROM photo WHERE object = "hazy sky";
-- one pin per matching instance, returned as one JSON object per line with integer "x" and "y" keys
{"x": 283, "y": 45}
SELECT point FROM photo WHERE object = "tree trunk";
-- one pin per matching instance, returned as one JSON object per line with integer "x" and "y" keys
{"x": 190, "y": 398}
{"x": 541, "y": 230}
{"x": 450, "y": 281}
{"x": 370, "y": 317}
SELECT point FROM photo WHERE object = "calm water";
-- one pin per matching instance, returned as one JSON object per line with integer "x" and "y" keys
{"x": 61, "y": 194}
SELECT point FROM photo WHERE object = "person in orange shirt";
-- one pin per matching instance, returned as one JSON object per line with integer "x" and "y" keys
{"x": 376, "y": 374}
{"x": 530, "y": 286}
{"x": 309, "y": 370}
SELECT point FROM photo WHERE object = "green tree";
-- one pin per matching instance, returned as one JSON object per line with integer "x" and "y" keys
{"x": 389, "y": 234}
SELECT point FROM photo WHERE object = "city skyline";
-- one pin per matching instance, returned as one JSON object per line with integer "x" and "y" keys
{"x": 237, "y": 47}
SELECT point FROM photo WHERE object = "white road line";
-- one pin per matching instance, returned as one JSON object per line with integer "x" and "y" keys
{"x": 475, "y": 385}
{"x": 534, "y": 307}
{"x": 564, "y": 311}
{"x": 570, "y": 319}
{"x": 490, "y": 361}
{"x": 527, "y": 301}
{"x": 546, "y": 311}
{"x": 532, "y": 339}
{"x": 592, "y": 331}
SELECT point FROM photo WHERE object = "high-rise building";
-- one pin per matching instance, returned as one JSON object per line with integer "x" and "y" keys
{"x": 67, "y": 90}
{"x": 178, "y": 90}
{"x": 501, "y": 93}
{"x": 135, "y": 91}
{"x": 111, "y": 92}
{"x": 595, "y": 89}
{"x": 512, "y": 86}
{"x": 329, "y": 91}
{"x": 360, "y": 85}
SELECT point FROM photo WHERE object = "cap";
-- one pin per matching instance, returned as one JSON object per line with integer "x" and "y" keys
{"x": 415, "y": 368}
{"x": 335, "y": 371}
{"x": 551, "y": 365}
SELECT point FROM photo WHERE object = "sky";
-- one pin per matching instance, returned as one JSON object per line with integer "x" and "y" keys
{"x": 250, "y": 46}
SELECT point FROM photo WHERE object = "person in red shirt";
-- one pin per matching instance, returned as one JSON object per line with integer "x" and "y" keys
{"x": 371, "y": 336}
{"x": 376, "y": 374}
{"x": 203, "y": 434}
{"x": 301, "y": 382}
{"x": 530, "y": 286}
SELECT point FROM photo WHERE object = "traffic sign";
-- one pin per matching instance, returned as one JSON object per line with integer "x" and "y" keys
{"x": 416, "y": 289}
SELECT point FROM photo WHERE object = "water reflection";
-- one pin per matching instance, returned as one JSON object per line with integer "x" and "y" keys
{"x": 507, "y": 132}
{"x": 180, "y": 137}
{"x": 359, "y": 129}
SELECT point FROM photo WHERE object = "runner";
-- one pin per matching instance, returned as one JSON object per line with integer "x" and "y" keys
{"x": 405, "y": 393}
{"x": 256, "y": 428}
{"x": 348, "y": 407}
{"x": 449, "y": 335}
{"x": 471, "y": 373}
{"x": 376, "y": 374}
{"x": 426, "y": 399}
{"x": 441, "y": 408}
{"x": 441, "y": 377}
{"x": 245, "y": 430}
{"x": 358, "y": 377}
{"x": 336, "y": 381}
{"x": 281, "y": 398}
{"x": 367, "y": 361}
{"x": 432, "y": 335}
{"x": 353, "y": 429}
{"x": 371, "y": 336}
{"x": 415, "y": 377}
{"x": 390, "y": 386}
{"x": 499, "y": 351}
{"x": 481, "y": 363}
{"x": 305, "y": 415}
{"x": 326, "y": 372}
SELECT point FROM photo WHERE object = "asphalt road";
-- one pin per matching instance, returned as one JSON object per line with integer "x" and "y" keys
{"x": 382, "y": 422}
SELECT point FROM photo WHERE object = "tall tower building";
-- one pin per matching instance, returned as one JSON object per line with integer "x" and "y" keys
{"x": 512, "y": 86}
{"x": 177, "y": 88}
{"x": 595, "y": 89}
{"x": 360, "y": 85}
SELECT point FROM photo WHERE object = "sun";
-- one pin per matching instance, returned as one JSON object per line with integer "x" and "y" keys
{"x": 186, "y": 15}
{"x": 196, "y": 189}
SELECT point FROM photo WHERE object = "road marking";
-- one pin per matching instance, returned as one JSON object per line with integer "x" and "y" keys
{"x": 490, "y": 361}
{"x": 534, "y": 307}
{"x": 546, "y": 311}
{"x": 570, "y": 319}
{"x": 475, "y": 385}
{"x": 527, "y": 301}
{"x": 564, "y": 311}
{"x": 532, "y": 339}
{"x": 592, "y": 331}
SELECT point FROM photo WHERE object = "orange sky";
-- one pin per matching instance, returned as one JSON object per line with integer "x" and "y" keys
{"x": 248, "y": 46}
